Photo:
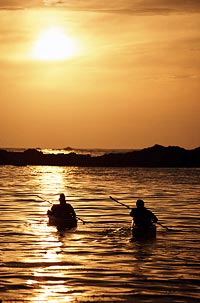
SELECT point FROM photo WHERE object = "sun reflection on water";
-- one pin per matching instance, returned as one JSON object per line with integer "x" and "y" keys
{"x": 51, "y": 180}
{"x": 51, "y": 268}
{"x": 47, "y": 293}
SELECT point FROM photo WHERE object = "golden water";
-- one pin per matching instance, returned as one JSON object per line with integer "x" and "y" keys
{"x": 98, "y": 262}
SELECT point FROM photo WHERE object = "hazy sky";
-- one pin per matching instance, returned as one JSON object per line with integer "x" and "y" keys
{"x": 107, "y": 74}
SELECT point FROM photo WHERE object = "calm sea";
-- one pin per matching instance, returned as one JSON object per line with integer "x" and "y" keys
{"x": 99, "y": 262}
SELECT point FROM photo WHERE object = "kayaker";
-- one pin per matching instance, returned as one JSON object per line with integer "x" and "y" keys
{"x": 142, "y": 217}
{"x": 62, "y": 210}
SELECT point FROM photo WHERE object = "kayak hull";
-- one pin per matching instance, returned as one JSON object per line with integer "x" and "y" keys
{"x": 144, "y": 233}
{"x": 62, "y": 223}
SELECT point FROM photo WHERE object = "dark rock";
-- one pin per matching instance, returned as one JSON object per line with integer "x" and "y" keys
{"x": 155, "y": 156}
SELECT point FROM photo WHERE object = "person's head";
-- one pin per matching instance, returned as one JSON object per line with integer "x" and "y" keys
{"x": 140, "y": 203}
{"x": 62, "y": 199}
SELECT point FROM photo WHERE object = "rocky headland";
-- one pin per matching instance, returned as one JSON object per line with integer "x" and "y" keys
{"x": 155, "y": 156}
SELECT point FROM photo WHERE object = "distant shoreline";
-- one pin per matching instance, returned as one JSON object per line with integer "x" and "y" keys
{"x": 155, "y": 156}
{"x": 71, "y": 149}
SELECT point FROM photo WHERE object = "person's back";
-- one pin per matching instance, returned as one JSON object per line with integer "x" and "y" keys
{"x": 63, "y": 210}
{"x": 142, "y": 217}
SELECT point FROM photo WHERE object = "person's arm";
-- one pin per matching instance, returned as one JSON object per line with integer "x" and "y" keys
{"x": 50, "y": 212}
{"x": 54, "y": 209}
{"x": 154, "y": 218}
{"x": 72, "y": 211}
{"x": 132, "y": 213}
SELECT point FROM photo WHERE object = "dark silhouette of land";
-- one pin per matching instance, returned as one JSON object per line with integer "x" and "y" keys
{"x": 155, "y": 156}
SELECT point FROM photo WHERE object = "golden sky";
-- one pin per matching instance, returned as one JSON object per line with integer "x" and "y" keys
{"x": 106, "y": 74}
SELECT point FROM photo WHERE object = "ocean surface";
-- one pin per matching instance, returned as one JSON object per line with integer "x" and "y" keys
{"x": 99, "y": 262}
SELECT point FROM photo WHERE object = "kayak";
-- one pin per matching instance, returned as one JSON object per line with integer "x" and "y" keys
{"x": 144, "y": 233}
{"x": 62, "y": 223}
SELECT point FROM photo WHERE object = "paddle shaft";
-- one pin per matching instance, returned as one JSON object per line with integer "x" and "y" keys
{"x": 44, "y": 199}
{"x": 81, "y": 220}
{"x": 163, "y": 226}
{"x": 130, "y": 208}
{"x": 52, "y": 204}
{"x": 120, "y": 203}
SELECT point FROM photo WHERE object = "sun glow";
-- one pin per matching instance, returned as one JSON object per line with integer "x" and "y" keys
{"x": 54, "y": 44}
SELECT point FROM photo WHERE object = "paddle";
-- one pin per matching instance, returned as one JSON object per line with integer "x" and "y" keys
{"x": 120, "y": 202}
{"x": 44, "y": 199}
{"x": 130, "y": 208}
{"x": 168, "y": 229}
{"x": 52, "y": 204}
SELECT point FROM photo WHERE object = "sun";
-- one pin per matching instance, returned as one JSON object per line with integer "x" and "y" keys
{"x": 54, "y": 44}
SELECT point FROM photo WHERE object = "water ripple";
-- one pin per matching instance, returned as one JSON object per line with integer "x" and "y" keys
{"x": 99, "y": 262}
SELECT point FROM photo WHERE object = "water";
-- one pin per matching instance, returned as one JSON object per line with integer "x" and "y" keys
{"x": 98, "y": 262}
